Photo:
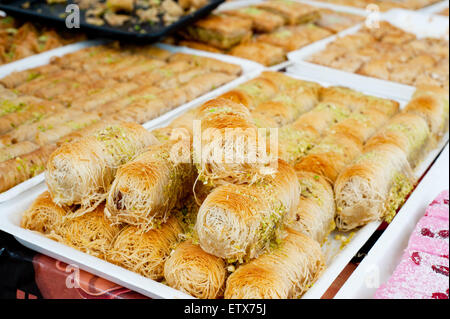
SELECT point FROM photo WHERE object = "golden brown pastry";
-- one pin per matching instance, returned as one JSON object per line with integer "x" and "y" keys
{"x": 145, "y": 253}
{"x": 195, "y": 272}
{"x": 220, "y": 31}
{"x": 81, "y": 172}
{"x": 239, "y": 222}
{"x": 284, "y": 273}
{"x": 147, "y": 188}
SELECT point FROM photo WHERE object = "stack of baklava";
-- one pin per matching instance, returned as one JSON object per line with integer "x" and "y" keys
{"x": 175, "y": 206}
{"x": 266, "y": 31}
{"x": 75, "y": 94}
{"x": 389, "y": 53}
{"x": 19, "y": 40}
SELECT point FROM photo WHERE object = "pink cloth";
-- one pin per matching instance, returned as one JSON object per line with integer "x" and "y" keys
{"x": 423, "y": 272}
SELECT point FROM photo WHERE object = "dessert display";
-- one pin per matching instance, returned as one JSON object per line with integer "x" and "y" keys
{"x": 179, "y": 173}
{"x": 267, "y": 31}
{"x": 375, "y": 185}
{"x": 78, "y": 93}
{"x": 219, "y": 229}
{"x": 389, "y": 53}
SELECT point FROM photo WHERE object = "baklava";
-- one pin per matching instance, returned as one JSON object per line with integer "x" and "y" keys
{"x": 220, "y": 31}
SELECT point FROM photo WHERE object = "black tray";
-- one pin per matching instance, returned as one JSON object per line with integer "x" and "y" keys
{"x": 40, "y": 11}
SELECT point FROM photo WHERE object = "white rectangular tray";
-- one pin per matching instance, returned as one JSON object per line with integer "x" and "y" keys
{"x": 385, "y": 255}
{"x": 422, "y": 25}
{"x": 245, "y": 3}
{"x": 338, "y": 258}
{"x": 11, "y": 212}
{"x": 44, "y": 58}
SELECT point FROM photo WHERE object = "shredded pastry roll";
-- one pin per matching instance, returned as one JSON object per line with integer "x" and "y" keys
{"x": 298, "y": 138}
{"x": 407, "y": 131}
{"x": 228, "y": 132}
{"x": 316, "y": 210}
{"x": 357, "y": 101}
{"x": 81, "y": 172}
{"x": 284, "y": 273}
{"x": 431, "y": 103}
{"x": 373, "y": 187}
{"x": 91, "y": 233}
{"x": 147, "y": 188}
{"x": 195, "y": 272}
{"x": 145, "y": 253}
{"x": 331, "y": 155}
{"x": 238, "y": 222}
{"x": 44, "y": 216}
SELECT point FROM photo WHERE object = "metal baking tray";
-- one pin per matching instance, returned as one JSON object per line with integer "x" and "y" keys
{"x": 39, "y": 10}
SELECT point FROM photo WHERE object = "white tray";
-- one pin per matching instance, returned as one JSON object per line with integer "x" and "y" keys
{"x": 11, "y": 212}
{"x": 422, "y": 25}
{"x": 436, "y": 8}
{"x": 231, "y": 5}
{"x": 44, "y": 58}
{"x": 379, "y": 264}
{"x": 338, "y": 258}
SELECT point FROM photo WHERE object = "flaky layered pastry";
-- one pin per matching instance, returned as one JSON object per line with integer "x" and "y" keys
{"x": 316, "y": 210}
{"x": 220, "y": 30}
{"x": 44, "y": 216}
{"x": 81, "y": 172}
{"x": 91, "y": 233}
{"x": 238, "y": 222}
{"x": 373, "y": 187}
{"x": 431, "y": 103}
{"x": 298, "y": 138}
{"x": 145, "y": 253}
{"x": 284, "y": 273}
{"x": 19, "y": 169}
{"x": 293, "y": 12}
{"x": 262, "y": 20}
{"x": 260, "y": 52}
{"x": 407, "y": 131}
{"x": 147, "y": 188}
{"x": 195, "y": 272}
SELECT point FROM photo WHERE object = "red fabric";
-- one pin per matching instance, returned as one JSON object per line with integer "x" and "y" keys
{"x": 57, "y": 280}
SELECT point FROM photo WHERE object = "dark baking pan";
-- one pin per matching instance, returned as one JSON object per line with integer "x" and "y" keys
{"x": 54, "y": 14}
